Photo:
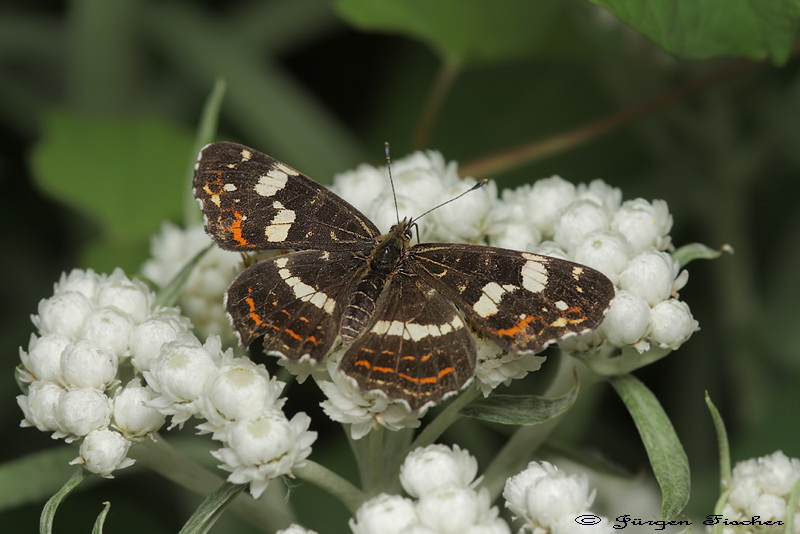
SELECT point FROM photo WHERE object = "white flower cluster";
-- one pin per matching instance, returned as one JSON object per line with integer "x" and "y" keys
{"x": 96, "y": 329}
{"x": 628, "y": 241}
{"x": 760, "y": 487}
{"x": 548, "y": 501}
{"x": 91, "y": 325}
{"x": 442, "y": 483}
{"x": 201, "y": 298}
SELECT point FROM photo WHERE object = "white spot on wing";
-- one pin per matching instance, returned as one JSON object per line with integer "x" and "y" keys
{"x": 492, "y": 294}
{"x": 415, "y": 331}
{"x": 278, "y": 228}
{"x": 246, "y": 155}
{"x": 534, "y": 273}
{"x": 303, "y": 291}
{"x": 272, "y": 182}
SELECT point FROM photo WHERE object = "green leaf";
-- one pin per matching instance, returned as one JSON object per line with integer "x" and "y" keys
{"x": 50, "y": 508}
{"x": 462, "y": 31}
{"x": 703, "y": 29}
{"x": 212, "y": 508}
{"x": 520, "y": 409}
{"x": 664, "y": 449}
{"x": 127, "y": 175}
{"x": 699, "y": 251}
{"x": 722, "y": 444}
{"x": 101, "y": 519}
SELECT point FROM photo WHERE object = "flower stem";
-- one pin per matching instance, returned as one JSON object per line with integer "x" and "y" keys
{"x": 324, "y": 478}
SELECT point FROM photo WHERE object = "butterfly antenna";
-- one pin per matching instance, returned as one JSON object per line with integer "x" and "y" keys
{"x": 480, "y": 184}
{"x": 391, "y": 181}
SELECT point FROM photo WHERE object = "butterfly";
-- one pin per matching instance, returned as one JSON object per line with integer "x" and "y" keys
{"x": 403, "y": 312}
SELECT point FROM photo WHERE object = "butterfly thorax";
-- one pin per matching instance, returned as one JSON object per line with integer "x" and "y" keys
{"x": 383, "y": 261}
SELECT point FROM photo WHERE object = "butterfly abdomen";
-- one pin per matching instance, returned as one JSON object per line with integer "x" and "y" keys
{"x": 362, "y": 304}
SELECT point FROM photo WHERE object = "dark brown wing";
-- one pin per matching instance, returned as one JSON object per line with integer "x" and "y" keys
{"x": 415, "y": 348}
{"x": 523, "y": 301}
{"x": 295, "y": 301}
{"x": 252, "y": 202}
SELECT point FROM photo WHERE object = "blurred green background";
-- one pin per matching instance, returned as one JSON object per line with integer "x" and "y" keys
{"x": 100, "y": 101}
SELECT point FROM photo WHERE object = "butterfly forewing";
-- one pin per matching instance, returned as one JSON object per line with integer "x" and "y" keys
{"x": 294, "y": 301}
{"x": 523, "y": 301}
{"x": 416, "y": 348}
{"x": 254, "y": 202}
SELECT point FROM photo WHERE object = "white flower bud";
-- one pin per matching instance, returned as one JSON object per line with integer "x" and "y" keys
{"x": 182, "y": 370}
{"x": 148, "y": 337}
{"x": 362, "y": 186}
{"x": 131, "y": 296}
{"x": 626, "y": 320}
{"x": 265, "y": 447}
{"x": 104, "y": 451}
{"x": 81, "y": 410}
{"x": 80, "y": 281}
{"x": 109, "y": 329}
{"x": 602, "y": 194}
{"x": 295, "y": 529}
{"x": 63, "y": 314}
{"x": 515, "y": 236}
{"x": 40, "y": 405}
{"x": 604, "y": 250}
{"x": 427, "y": 469}
{"x": 542, "y": 202}
{"x": 547, "y": 494}
{"x": 385, "y": 514}
{"x": 650, "y": 276}
{"x": 671, "y": 324}
{"x": 644, "y": 224}
{"x": 132, "y": 414}
{"x": 43, "y": 359}
{"x": 85, "y": 365}
{"x": 577, "y": 220}
{"x": 241, "y": 389}
{"x": 466, "y": 219}
{"x": 453, "y": 510}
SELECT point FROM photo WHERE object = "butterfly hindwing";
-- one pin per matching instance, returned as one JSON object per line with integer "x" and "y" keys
{"x": 254, "y": 202}
{"x": 523, "y": 301}
{"x": 416, "y": 347}
{"x": 294, "y": 301}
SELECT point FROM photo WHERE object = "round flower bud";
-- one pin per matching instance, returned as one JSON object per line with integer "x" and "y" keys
{"x": 602, "y": 194}
{"x": 81, "y": 410}
{"x": 85, "y": 365}
{"x": 103, "y": 452}
{"x": 63, "y": 314}
{"x": 644, "y": 224}
{"x": 295, "y": 529}
{"x": 385, "y": 514}
{"x": 362, "y": 186}
{"x": 427, "y": 469}
{"x": 109, "y": 329}
{"x": 515, "y": 236}
{"x": 43, "y": 359}
{"x": 626, "y": 320}
{"x": 148, "y": 337}
{"x": 453, "y": 510}
{"x": 515, "y": 491}
{"x": 265, "y": 447}
{"x": 650, "y": 276}
{"x": 80, "y": 281}
{"x": 130, "y": 296}
{"x": 240, "y": 389}
{"x": 182, "y": 370}
{"x": 466, "y": 219}
{"x": 604, "y": 250}
{"x": 40, "y": 405}
{"x": 671, "y": 324}
{"x": 543, "y": 201}
{"x": 132, "y": 415}
{"x": 577, "y": 220}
